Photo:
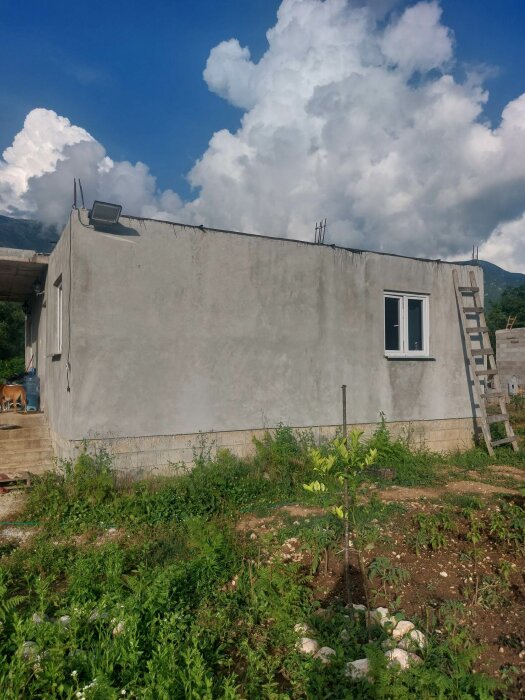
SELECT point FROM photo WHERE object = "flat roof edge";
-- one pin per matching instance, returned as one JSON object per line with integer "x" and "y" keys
{"x": 332, "y": 246}
{"x": 22, "y": 255}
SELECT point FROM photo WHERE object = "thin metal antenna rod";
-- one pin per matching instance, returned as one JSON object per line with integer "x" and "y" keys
{"x": 74, "y": 193}
{"x": 81, "y": 194}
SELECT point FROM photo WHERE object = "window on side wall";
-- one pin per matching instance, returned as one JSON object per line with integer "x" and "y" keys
{"x": 59, "y": 315}
{"x": 406, "y": 325}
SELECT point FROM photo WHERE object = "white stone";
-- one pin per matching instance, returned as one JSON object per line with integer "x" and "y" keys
{"x": 387, "y": 644}
{"x": 361, "y": 608}
{"x": 414, "y": 640}
{"x": 307, "y": 646}
{"x": 118, "y": 629}
{"x": 65, "y": 620}
{"x": 381, "y": 617}
{"x": 344, "y": 635}
{"x": 357, "y": 669}
{"x": 302, "y": 628}
{"x": 324, "y": 654}
{"x": 29, "y": 650}
{"x": 401, "y": 658}
{"x": 403, "y": 627}
{"x": 443, "y": 573}
{"x": 37, "y": 619}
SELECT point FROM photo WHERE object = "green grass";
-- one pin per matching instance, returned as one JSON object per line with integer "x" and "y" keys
{"x": 177, "y": 603}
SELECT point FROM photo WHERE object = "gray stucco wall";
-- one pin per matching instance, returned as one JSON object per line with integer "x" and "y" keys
{"x": 57, "y": 401}
{"x": 177, "y": 330}
{"x": 510, "y": 356}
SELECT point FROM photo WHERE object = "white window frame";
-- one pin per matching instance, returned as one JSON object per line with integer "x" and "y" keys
{"x": 403, "y": 323}
{"x": 59, "y": 316}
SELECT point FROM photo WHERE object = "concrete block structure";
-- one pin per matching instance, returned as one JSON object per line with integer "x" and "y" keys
{"x": 510, "y": 358}
{"x": 150, "y": 334}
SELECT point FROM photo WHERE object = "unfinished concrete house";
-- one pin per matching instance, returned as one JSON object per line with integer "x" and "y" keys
{"x": 510, "y": 350}
{"x": 146, "y": 334}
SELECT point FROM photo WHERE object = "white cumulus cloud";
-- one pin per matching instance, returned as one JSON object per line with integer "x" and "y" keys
{"x": 37, "y": 171}
{"x": 352, "y": 113}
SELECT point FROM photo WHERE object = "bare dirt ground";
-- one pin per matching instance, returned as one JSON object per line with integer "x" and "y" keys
{"x": 10, "y": 505}
{"x": 438, "y": 581}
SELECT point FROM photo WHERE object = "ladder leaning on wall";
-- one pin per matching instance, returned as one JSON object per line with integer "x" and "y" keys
{"x": 471, "y": 309}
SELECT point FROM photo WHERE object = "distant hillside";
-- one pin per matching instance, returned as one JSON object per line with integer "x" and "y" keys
{"x": 27, "y": 234}
{"x": 496, "y": 279}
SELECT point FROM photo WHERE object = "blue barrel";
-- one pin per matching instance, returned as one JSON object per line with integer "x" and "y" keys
{"x": 32, "y": 387}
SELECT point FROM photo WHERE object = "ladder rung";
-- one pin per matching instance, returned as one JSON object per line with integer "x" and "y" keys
{"x": 503, "y": 441}
{"x": 498, "y": 418}
{"x": 472, "y": 309}
{"x": 486, "y": 372}
{"x": 482, "y": 351}
{"x": 494, "y": 394}
{"x": 468, "y": 290}
{"x": 476, "y": 330}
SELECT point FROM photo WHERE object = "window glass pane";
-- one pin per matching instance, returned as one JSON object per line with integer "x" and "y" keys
{"x": 415, "y": 324}
{"x": 392, "y": 323}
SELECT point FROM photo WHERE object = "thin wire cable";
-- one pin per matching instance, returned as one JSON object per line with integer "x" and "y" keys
{"x": 68, "y": 361}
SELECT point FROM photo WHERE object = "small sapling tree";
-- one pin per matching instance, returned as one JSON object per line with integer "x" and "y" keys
{"x": 342, "y": 466}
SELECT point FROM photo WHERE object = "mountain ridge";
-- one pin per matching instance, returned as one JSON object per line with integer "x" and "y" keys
{"x": 27, "y": 234}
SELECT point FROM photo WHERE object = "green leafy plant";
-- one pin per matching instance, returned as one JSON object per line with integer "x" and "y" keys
{"x": 345, "y": 461}
{"x": 432, "y": 529}
{"x": 507, "y": 526}
{"x": 494, "y": 588}
{"x": 390, "y": 575}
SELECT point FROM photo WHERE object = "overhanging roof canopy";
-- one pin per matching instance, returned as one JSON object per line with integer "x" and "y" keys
{"x": 19, "y": 270}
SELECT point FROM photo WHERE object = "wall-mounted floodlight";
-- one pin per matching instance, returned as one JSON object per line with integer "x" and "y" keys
{"x": 105, "y": 213}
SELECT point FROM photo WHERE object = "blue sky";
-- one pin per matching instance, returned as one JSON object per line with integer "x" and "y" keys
{"x": 130, "y": 72}
{"x": 371, "y": 113}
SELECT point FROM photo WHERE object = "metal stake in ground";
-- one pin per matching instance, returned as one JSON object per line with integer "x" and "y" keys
{"x": 346, "y": 505}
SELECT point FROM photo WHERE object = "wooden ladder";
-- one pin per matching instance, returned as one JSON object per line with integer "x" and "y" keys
{"x": 482, "y": 374}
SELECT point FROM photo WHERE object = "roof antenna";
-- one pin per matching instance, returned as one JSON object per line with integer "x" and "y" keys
{"x": 320, "y": 232}
{"x": 74, "y": 193}
{"x": 81, "y": 194}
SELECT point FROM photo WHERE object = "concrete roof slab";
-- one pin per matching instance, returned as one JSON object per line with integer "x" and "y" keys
{"x": 19, "y": 270}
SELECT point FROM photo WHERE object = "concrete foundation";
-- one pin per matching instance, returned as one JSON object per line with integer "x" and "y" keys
{"x": 510, "y": 357}
{"x": 141, "y": 456}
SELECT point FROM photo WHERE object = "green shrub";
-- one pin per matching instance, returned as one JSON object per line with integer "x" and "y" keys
{"x": 283, "y": 456}
{"x": 11, "y": 368}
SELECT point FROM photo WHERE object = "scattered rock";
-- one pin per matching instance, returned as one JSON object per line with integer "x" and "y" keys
{"x": 381, "y": 617}
{"x": 361, "y": 608}
{"x": 414, "y": 640}
{"x": 290, "y": 550}
{"x": 403, "y": 627}
{"x": 64, "y": 620}
{"x": 253, "y": 536}
{"x": 388, "y": 644}
{"x": 118, "y": 629}
{"x": 307, "y": 646}
{"x": 302, "y": 628}
{"x": 357, "y": 669}
{"x": 37, "y": 619}
{"x": 401, "y": 658}
{"x": 29, "y": 651}
{"x": 324, "y": 654}
{"x": 443, "y": 573}
{"x": 344, "y": 635}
